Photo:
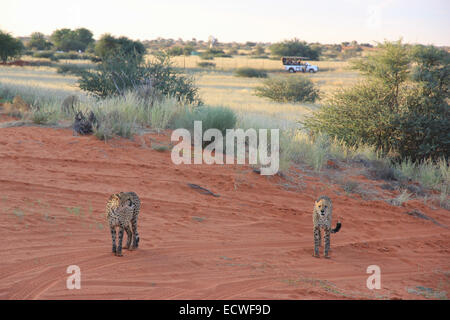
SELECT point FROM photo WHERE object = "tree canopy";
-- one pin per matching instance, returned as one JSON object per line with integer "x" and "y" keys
{"x": 108, "y": 45}
{"x": 10, "y": 47}
{"x": 402, "y": 106}
{"x": 39, "y": 42}
{"x": 294, "y": 47}
{"x": 67, "y": 39}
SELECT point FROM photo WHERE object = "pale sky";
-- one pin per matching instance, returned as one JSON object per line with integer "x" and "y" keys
{"x": 416, "y": 21}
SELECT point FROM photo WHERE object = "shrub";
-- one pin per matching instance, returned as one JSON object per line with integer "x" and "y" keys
{"x": 10, "y": 47}
{"x": 381, "y": 170}
{"x": 38, "y": 42}
{"x": 120, "y": 72}
{"x": 205, "y": 64}
{"x": 112, "y": 123}
{"x": 350, "y": 186}
{"x": 260, "y": 57}
{"x": 211, "y": 53}
{"x": 108, "y": 45}
{"x": 68, "y": 55}
{"x": 206, "y": 56}
{"x": 250, "y": 73}
{"x": 175, "y": 51}
{"x": 390, "y": 112}
{"x": 288, "y": 89}
{"x": 294, "y": 47}
{"x": 44, "y": 54}
{"x": 70, "y": 68}
{"x": 43, "y": 117}
{"x": 297, "y": 146}
{"x": 66, "y": 39}
{"x": 220, "y": 118}
{"x": 161, "y": 115}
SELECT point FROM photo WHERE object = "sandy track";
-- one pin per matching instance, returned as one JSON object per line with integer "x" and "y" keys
{"x": 254, "y": 241}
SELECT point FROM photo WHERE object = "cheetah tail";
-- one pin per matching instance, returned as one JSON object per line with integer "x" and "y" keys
{"x": 338, "y": 227}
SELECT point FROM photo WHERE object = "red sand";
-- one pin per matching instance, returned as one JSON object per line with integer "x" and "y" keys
{"x": 19, "y": 63}
{"x": 253, "y": 242}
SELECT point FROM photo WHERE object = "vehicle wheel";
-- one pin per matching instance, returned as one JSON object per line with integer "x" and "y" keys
{"x": 291, "y": 70}
{"x": 311, "y": 71}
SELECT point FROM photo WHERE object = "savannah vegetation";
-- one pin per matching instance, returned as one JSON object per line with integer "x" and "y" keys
{"x": 389, "y": 106}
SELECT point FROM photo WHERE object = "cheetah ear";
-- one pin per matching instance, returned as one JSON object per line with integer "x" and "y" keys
{"x": 113, "y": 196}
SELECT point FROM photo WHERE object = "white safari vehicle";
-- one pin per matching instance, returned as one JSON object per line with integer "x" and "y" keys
{"x": 296, "y": 64}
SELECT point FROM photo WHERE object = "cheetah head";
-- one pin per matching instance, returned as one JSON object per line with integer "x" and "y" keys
{"x": 124, "y": 200}
{"x": 323, "y": 207}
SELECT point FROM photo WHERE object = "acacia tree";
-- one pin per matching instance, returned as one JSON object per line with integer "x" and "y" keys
{"x": 67, "y": 39}
{"x": 39, "y": 42}
{"x": 425, "y": 126}
{"x": 120, "y": 72}
{"x": 294, "y": 47}
{"x": 400, "y": 106}
{"x": 109, "y": 45}
{"x": 10, "y": 47}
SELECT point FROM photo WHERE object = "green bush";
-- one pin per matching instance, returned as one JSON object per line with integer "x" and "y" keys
{"x": 294, "y": 47}
{"x": 70, "y": 68}
{"x": 10, "y": 47}
{"x": 68, "y": 55}
{"x": 211, "y": 53}
{"x": 388, "y": 110}
{"x": 175, "y": 51}
{"x": 108, "y": 45}
{"x": 206, "y": 56}
{"x": 288, "y": 89}
{"x": 250, "y": 73}
{"x": 39, "y": 42}
{"x": 44, "y": 54}
{"x": 67, "y": 39}
{"x": 119, "y": 73}
{"x": 114, "y": 123}
{"x": 205, "y": 64}
{"x": 220, "y": 118}
{"x": 43, "y": 117}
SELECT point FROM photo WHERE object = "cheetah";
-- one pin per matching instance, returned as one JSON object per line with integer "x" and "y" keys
{"x": 122, "y": 210}
{"x": 322, "y": 219}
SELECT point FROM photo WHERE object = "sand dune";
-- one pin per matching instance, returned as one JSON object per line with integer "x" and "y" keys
{"x": 253, "y": 242}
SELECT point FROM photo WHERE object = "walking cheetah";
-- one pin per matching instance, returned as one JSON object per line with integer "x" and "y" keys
{"x": 322, "y": 219}
{"x": 122, "y": 210}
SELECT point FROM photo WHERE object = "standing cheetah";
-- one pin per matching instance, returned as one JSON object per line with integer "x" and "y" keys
{"x": 122, "y": 210}
{"x": 322, "y": 219}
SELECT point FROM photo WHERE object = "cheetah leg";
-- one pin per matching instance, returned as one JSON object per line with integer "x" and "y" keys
{"x": 327, "y": 241}
{"x": 129, "y": 237}
{"x": 320, "y": 238}
{"x": 113, "y": 236}
{"x": 135, "y": 234}
{"x": 316, "y": 241}
{"x": 119, "y": 245}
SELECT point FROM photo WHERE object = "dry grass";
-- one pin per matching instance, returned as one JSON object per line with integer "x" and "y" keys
{"x": 230, "y": 64}
{"x": 220, "y": 88}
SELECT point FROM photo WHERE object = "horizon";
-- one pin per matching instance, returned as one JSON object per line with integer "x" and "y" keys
{"x": 324, "y": 21}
